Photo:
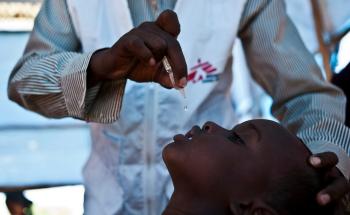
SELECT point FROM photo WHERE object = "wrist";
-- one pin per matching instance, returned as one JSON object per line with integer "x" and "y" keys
{"x": 97, "y": 69}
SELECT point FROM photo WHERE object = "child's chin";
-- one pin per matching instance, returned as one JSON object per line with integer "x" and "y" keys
{"x": 170, "y": 153}
{"x": 171, "y": 211}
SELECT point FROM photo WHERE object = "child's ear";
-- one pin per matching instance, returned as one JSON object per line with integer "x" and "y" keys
{"x": 255, "y": 207}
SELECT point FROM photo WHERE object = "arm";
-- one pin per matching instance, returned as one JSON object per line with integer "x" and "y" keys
{"x": 303, "y": 101}
{"x": 56, "y": 81}
{"x": 50, "y": 78}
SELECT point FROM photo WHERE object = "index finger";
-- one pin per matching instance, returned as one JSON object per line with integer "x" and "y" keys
{"x": 325, "y": 160}
{"x": 169, "y": 26}
{"x": 177, "y": 62}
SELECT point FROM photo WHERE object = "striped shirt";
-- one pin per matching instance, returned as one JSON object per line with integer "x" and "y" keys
{"x": 50, "y": 78}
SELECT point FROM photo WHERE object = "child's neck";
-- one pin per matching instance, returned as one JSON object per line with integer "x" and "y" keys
{"x": 189, "y": 205}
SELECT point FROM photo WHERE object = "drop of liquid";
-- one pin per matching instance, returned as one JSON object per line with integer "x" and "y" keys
{"x": 182, "y": 91}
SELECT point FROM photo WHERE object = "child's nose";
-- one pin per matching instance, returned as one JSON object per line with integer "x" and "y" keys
{"x": 211, "y": 127}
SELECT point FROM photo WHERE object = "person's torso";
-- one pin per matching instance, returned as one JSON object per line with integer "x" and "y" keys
{"x": 129, "y": 150}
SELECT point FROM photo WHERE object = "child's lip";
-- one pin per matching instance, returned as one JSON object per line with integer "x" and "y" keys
{"x": 193, "y": 131}
{"x": 180, "y": 138}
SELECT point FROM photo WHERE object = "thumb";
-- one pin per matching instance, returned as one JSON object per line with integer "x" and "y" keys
{"x": 169, "y": 22}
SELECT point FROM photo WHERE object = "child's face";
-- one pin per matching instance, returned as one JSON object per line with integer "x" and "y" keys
{"x": 217, "y": 165}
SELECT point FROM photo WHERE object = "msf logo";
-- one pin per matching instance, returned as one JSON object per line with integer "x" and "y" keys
{"x": 204, "y": 72}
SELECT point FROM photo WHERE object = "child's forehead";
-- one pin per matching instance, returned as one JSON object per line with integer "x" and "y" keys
{"x": 274, "y": 139}
{"x": 261, "y": 123}
{"x": 266, "y": 128}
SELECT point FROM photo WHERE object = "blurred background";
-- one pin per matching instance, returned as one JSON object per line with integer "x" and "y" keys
{"x": 41, "y": 156}
{"x": 44, "y": 158}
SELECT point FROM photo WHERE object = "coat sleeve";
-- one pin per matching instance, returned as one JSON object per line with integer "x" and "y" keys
{"x": 303, "y": 100}
{"x": 50, "y": 78}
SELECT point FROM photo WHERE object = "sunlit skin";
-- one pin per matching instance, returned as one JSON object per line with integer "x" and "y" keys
{"x": 215, "y": 170}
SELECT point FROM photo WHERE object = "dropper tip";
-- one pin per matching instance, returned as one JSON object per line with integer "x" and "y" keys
{"x": 182, "y": 91}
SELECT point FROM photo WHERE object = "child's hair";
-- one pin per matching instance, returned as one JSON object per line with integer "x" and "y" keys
{"x": 295, "y": 194}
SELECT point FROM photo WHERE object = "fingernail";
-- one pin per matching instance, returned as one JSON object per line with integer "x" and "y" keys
{"x": 152, "y": 62}
{"x": 325, "y": 199}
{"x": 315, "y": 161}
{"x": 183, "y": 82}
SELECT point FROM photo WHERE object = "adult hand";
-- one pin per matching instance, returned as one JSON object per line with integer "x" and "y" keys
{"x": 338, "y": 185}
{"x": 138, "y": 55}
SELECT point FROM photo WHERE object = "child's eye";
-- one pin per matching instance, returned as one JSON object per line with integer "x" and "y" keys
{"x": 235, "y": 138}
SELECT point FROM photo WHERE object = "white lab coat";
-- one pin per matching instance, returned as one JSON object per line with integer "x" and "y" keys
{"x": 125, "y": 173}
